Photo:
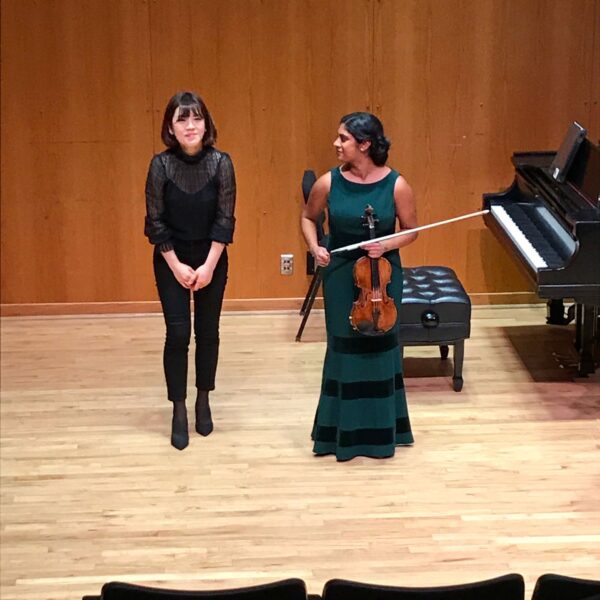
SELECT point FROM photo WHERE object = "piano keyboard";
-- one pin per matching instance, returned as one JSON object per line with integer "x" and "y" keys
{"x": 527, "y": 249}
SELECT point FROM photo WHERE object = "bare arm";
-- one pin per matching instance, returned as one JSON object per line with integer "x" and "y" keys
{"x": 317, "y": 202}
{"x": 406, "y": 211}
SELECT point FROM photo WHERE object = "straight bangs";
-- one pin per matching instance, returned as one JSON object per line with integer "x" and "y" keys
{"x": 185, "y": 110}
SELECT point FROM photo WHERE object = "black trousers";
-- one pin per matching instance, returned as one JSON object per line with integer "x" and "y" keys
{"x": 175, "y": 300}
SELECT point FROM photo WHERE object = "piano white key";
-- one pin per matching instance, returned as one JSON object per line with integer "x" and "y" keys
{"x": 518, "y": 237}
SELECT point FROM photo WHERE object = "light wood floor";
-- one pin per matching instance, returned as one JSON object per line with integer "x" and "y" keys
{"x": 503, "y": 477}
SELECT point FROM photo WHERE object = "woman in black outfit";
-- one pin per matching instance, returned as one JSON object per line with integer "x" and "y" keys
{"x": 190, "y": 201}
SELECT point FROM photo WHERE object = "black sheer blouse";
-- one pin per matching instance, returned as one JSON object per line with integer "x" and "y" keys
{"x": 190, "y": 197}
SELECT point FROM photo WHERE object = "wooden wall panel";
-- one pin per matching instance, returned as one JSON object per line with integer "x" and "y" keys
{"x": 459, "y": 84}
{"x": 75, "y": 129}
{"x": 460, "y": 87}
{"x": 593, "y": 66}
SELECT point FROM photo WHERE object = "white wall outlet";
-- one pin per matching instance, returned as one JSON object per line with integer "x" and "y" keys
{"x": 286, "y": 265}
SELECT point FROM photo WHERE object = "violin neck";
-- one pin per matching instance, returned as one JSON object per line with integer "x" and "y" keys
{"x": 374, "y": 261}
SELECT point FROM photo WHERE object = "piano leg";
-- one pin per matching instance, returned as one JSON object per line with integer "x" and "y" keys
{"x": 555, "y": 312}
{"x": 587, "y": 337}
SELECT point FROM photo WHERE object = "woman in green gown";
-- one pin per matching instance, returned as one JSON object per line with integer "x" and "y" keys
{"x": 362, "y": 408}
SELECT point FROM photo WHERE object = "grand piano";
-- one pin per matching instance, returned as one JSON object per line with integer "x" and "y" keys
{"x": 549, "y": 220}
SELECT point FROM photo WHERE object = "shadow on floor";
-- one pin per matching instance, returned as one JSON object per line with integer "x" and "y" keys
{"x": 546, "y": 351}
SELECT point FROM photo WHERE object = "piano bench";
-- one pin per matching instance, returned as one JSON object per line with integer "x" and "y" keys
{"x": 435, "y": 310}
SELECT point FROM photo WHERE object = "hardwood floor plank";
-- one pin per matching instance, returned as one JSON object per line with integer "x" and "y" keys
{"x": 504, "y": 476}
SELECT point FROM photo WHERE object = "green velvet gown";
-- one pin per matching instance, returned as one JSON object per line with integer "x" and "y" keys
{"x": 362, "y": 408}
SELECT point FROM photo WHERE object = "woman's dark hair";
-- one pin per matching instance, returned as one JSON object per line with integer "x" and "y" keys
{"x": 187, "y": 102}
{"x": 366, "y": 127}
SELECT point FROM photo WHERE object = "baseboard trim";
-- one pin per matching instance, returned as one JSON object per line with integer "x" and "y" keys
{"x": 102, "y": 308}
{"x": 77, "y": 308}
{"x": 233, "y": 305}
{"x": 485, "y": 298}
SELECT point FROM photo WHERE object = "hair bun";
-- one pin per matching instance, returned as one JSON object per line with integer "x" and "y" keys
{"x": 366, "y": 126}
{"x": 383, "y": 142}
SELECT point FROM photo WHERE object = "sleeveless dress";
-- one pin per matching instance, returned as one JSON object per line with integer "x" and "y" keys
{"x": 362, "y": 408}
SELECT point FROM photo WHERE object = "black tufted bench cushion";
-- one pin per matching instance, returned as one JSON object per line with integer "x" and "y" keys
{"x": 435, "y": 310}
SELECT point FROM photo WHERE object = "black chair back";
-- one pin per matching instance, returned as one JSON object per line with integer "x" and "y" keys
{"x": 287, "y": 589}
{"x": 507, "y": 587}
{"x": 308, "y": 180}
{"x": 560, "y": 587}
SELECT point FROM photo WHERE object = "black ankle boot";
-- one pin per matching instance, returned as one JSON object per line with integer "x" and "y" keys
{"x": 180, "y": 437}
{"x": 204, "y": 424}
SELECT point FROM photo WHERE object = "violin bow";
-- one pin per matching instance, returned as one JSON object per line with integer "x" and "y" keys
{"x": 407, "y": 231}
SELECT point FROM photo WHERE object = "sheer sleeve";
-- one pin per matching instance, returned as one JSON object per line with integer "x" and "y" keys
{"x": 224, "y": 223}
{"x": 155, "y": 228}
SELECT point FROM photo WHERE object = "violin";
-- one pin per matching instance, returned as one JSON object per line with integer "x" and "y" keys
{"x": 374, "y": 312}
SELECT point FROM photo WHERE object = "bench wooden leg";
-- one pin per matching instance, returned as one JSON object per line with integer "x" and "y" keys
{"x": 459, "y": 354}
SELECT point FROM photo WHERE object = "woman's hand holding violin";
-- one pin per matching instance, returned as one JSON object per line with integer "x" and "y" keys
{"x": 374, "y": 249}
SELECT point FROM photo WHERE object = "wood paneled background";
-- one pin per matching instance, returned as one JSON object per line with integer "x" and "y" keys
{"x": 459, "y": 84}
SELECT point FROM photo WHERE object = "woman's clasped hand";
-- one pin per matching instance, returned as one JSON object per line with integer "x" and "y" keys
{"x": 192, "y": 279}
